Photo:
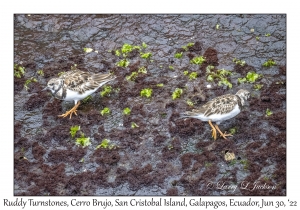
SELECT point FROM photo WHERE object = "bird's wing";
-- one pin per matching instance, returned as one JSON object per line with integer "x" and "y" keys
{"x": 81, "y": 81}
{"x": 220, "y": 105}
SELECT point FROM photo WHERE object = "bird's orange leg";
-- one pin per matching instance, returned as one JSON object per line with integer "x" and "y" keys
{"x": 71, "y": 111}
{"x": 222, "y": 134}
{"x": 214, "y": 132}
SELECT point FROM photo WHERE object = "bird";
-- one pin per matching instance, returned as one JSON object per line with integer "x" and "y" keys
{"x": 219, "y": 109}
{"x": 75, "y": 85}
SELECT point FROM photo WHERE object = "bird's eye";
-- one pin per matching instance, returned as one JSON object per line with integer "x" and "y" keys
{"x": 52, "y": 84}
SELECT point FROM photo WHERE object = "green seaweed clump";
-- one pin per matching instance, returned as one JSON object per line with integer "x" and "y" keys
{"x": 171, "y": 68}
{"x": 87, "y": 50}
{"x": 19, "y": 71}
{"x": 83, "y": 141}
{"x": 198, "y": 60}
{"x": 269, "y": 63}
{"x": 134, "y": 125}
{"x": 87, "y": 99}
{"x": 186, "y": 72}
{"x": 220, "y": 75}
{"x": 123, "y": 63}
{"x": 268, "y": 112}
{"x": 106, "y": 90}
{"x": 146, "y": 92}
{"x": 132, "y": 76}
{"x": 177, "y": 93}
{"x": 27, "y": 82}
{"x": 73, "y": 130}
{"x": 126, "y": 111}
{"x": 105, "y": 144}
{"x": 239, "y": 62}
{"x": 193, "y": 75}
{"x": 178, "y": 55}
{"x": 105, "y": 111}
{"x": 146, "y": 55}
{"x": 160, "y": 85}
{"x": 189, "y": 102}
{"x": 186, "y": 47}
{"x": 142, "y": 70}
{"x": 257, "y": 86}
{"x": 251, "y": 77}
{"x": 40, "y": 72}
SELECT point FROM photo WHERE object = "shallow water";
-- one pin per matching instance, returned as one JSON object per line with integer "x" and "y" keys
{"x": 164, "y": 155}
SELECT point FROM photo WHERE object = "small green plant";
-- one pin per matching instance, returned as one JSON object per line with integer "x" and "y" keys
{"x": 126, "y": 111}
{"x": 74, "y": 67}
{"x": 123, "y": 63}
{"x": 257, "y": 38}
{"x": 232, "y": 130}
{"x": 19, "y": 71}
{"x": 178, "y": 55}
{"x": 134, "y": 125}
{"x": 60, "y": 73}
{"x": 144, "y": 45}
{"x": 105, "y": 111}
{"x": 142, "y": 70}
{"x": 28, "y": 81}
{"x": 146, "y": 55}
{"x": 160, "y": 85}
{"x": 232, "y": 162}
{"x": 198, "y": 60}
{"x": 245, "y": 163}
{"x": 106, "y": 90}
{"x": 268, "y": 112}
{"x": 258, "y": 86}
{"x": 87, "y": 99}
{"x": 239, "y": 62}
{"x": 186, "y": 72}
{"x": 73, "y": 130}
{"x": 217, "y": 26}
{"x": 105, "y": 144}
{"x": 132, "y": 76}
{"x": 81, "y": 160}
{"x": 189, "y": 102}
{"x": 83, "y": 141}
{"x": 190, "y": 44}
{"x": 177, "y": 93}
{"x": 193, "y": 75}
{"x": 269, "y": 63}
{"x": 242, "y": 80}
{"x": 171, "y": 67}
{"x": 219, "y": 75}
{"x": 268, "y": 34}
{"x": 146, "y": 92}
{"x": 40, "y": 72}
{"x": 87, "y": 50}
{"x": 126, "y": 48}
{"x": 252, "y": 76}
{"x": 118, "y": 53}
{"x": 225, "y": 82}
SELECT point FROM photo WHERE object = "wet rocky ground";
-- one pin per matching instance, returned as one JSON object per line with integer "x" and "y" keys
{"x": 164, "y": 155}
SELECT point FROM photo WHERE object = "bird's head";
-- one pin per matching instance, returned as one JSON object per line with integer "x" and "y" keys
{"x": 244, "y": 95}
{"x": 54, "y": 85}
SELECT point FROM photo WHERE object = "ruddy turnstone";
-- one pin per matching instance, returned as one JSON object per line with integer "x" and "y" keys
{"x": 75, "y": 85}
{"x": 219, "y": 109}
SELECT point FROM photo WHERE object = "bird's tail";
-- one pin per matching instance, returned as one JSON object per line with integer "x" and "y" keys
{"x": 187, "y": 114}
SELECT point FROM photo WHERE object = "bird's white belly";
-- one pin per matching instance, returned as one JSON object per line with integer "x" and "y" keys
{"x": 219, "y": 117}
{"x": 75, "y": 96}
